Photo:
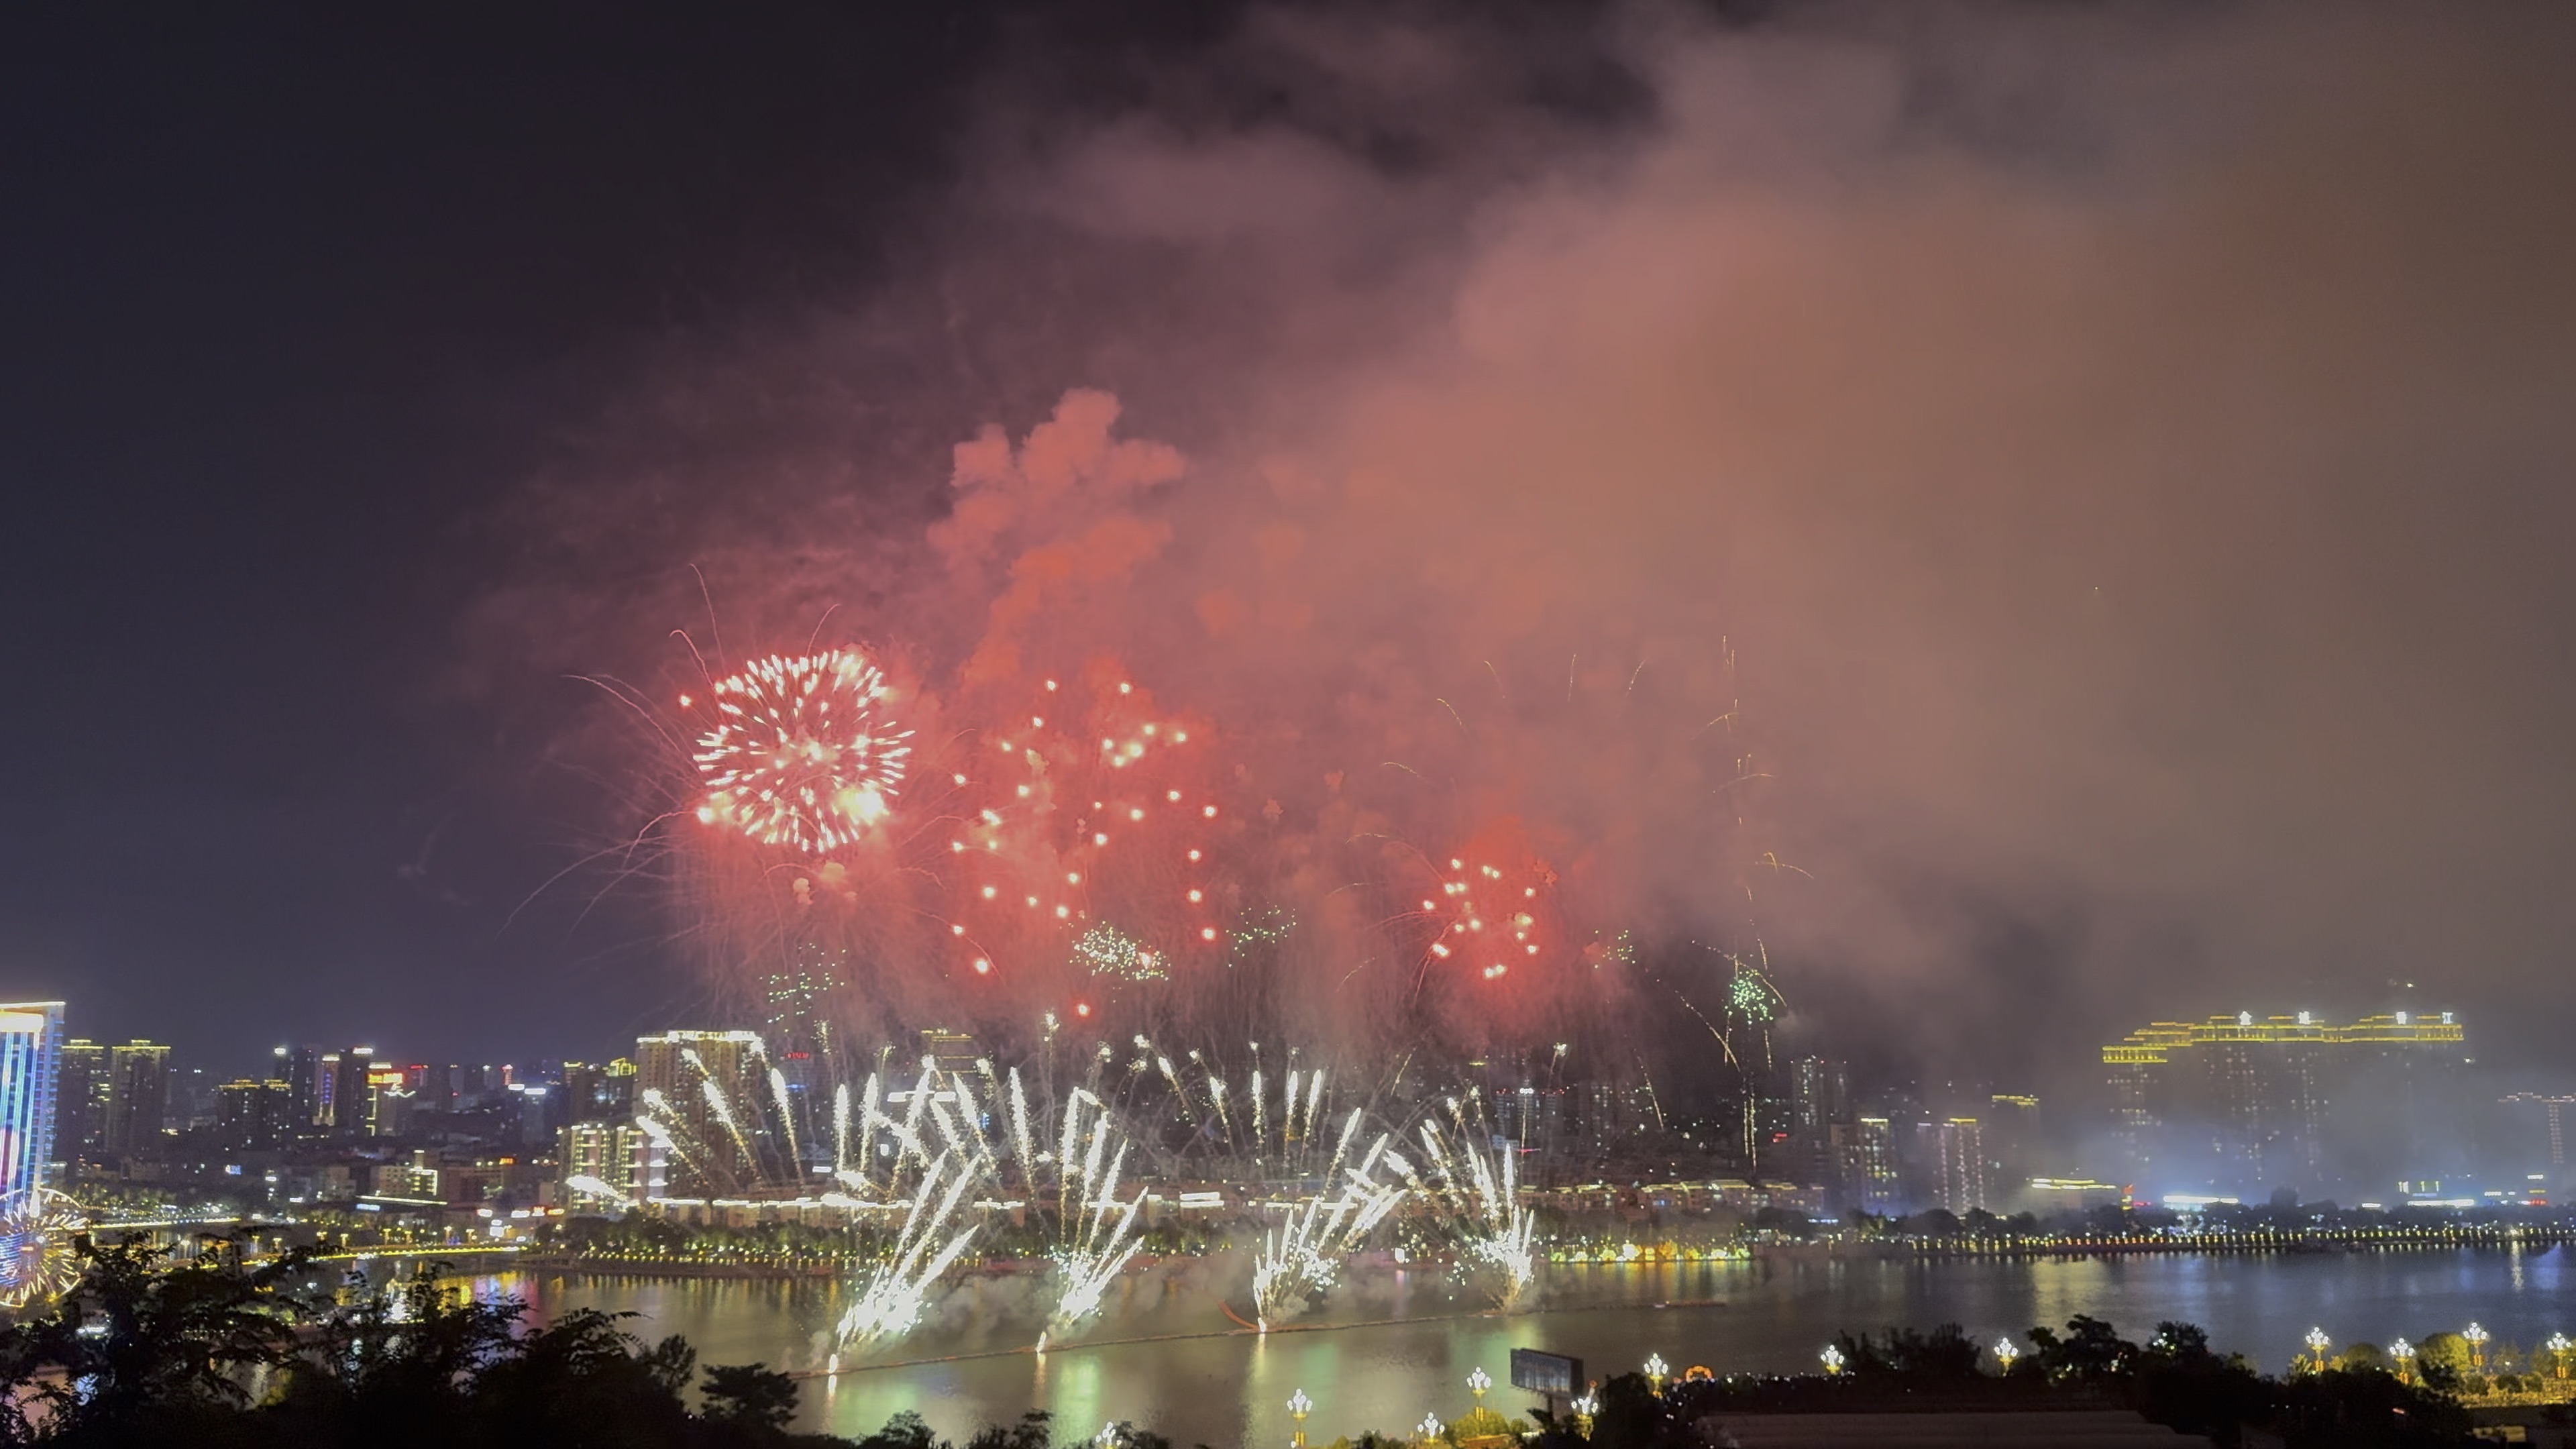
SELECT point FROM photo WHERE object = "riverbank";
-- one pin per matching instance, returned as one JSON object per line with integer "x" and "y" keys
{"x": 787, "y": 1268}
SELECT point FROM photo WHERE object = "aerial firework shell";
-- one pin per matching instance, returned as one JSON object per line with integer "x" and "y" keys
{"x": 1091, "y": 861}
{"x": 799, "y": 751}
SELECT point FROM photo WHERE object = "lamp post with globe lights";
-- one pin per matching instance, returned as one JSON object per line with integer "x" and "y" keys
{"x": 1428, "y": 1430}
{"x": 1584, "y": 1408}
{"x": 2476, "y": 1338}
{"x": 2318, "y": 1343}
{"x": 2005, "y": 1353}
{"x": 1477, "y": 1382}
{"x": 2404, "y": 1353}
{"x": 1832, "y": 1359}
{"x": 1299, "y": 1406}
{"x": 1656, "y": 1371}
{"x": 2558, "y": 1346}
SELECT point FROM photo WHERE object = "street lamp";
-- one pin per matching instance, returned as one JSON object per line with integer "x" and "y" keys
{"x": 1477, "y": 1383}
{"x": 2558, "y": 1346}
{"x": 2404, "y": 1353}
{"x": 1428, "y": 1429}
{"x": 2005, "y": 1353}
{"x": 2477, "y": 1341}
{"x": 2318, "y": 1343}
{"x": 1299, "y": 1406}
{"x": 1832, "y": 1358}
{"x": 1584, "y": 1409}
{"x": 1656, "y": 1369}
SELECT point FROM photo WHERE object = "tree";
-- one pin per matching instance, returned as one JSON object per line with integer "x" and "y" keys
{"x": 142, "y": 1346}
{"x": 750, "y": 1397}
{"x": 2443, "y": 1360}
{"x": 905, "y": 1430}
{"x": 2090, "y": 1350}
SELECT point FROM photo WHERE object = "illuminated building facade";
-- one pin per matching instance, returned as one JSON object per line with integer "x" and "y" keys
{"x": 1819, "y": 1098}
{"x": 1865, "y": 1161}
{"x": 2240, "y": 1105}
{"x": 80, "y": 1100}
{"x": 255, "y": 1115}
{"x": 615, "y": 1153}
{"x": 671, "y": 1073}
{"x": 1960, "y": 1180}
{"x": 138, "y": 1098}
{"x": 31, "y": 1045}
{"x": 798, "y": 1002}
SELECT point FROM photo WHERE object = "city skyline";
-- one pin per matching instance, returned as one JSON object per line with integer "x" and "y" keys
{"x": 2070, "y": 687}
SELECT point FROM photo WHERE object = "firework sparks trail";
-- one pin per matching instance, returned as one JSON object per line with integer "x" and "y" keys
{"x": 798, "y": 752}
{"x": 1300, "y": 1259}
{"x": 37, "y": 1262}
{"x": 1493, "y": 1228}
{"x": 893, "y": 1293}
{"x": 1094, "y": 1233}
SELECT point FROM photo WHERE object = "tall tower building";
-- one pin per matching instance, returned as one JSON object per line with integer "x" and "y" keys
{"x": 1959, "y": 1174}
{"x": 80, "y": 1100}
{"x": 1865, "y": 1157}
{"x": 31, "y": 1046}
{"x": 672, "y": 1073}
{"x": 254, "y": 1115}
{"x": 300, "y": 1068}
{"x": 138, "y": 1097}
{"x": 1819, "y": 1097}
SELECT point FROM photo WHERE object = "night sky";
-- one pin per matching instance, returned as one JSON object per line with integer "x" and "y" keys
{"x": 2129, "y": 450}
{"x": 295, "y": 298}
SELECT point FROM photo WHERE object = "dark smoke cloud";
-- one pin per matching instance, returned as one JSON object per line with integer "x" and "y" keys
{"x": 2101, "y": 470}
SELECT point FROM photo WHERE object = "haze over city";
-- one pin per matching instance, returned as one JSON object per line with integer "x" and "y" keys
{"x": 1696, "y": 577}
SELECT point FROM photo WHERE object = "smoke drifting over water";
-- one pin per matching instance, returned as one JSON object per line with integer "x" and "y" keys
{"x": 2093, "y": 473}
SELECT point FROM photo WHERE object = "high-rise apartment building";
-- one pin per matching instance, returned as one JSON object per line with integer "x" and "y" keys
{"x": 138, "y": 1098}
{"x": 672, "y": 1071}
{"x": 255, "y": 1115}
{"x": 80, "y": 1100}
{"x": 300, "y": 1067}
{"x": 1865, "y": 1161}
{"x": 1819, "y": 1097}
{"x": 1959, "y": 1167}
{"x": 340, "y": 1094}
{"x": 31, "y": 1046}
{"x": 2244, "y": 1106}
{"x": 616, "y": 1155}
{"x": 800, "y": 1001}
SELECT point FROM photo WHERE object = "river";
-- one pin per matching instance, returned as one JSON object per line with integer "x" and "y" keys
{"x": 1398, "y": 1343}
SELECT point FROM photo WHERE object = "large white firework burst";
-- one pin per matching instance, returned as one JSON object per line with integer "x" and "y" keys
{"x": 799, "y": 751}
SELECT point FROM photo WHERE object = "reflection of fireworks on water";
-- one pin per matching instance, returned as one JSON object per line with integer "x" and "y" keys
{"x": 1481, "y": 1202}
{"x": 798, "y": 752}
{"x": 37, "y": 1260}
